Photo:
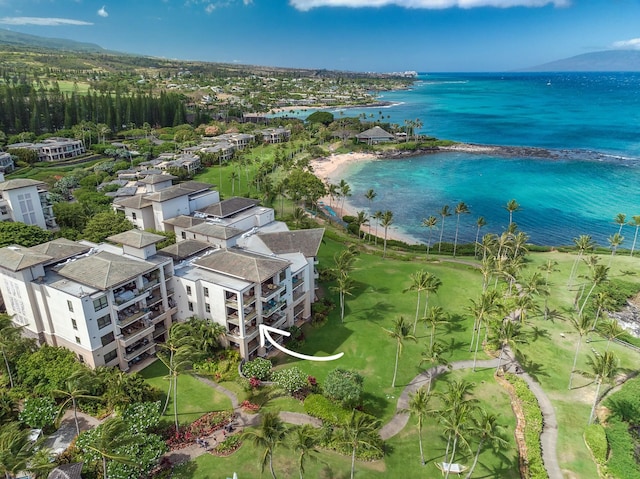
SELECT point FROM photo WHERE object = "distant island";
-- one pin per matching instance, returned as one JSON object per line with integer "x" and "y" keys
{"x": 603, "y": 61}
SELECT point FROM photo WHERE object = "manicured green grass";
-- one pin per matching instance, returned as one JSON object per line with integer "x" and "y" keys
{"x": 194, "y": 397}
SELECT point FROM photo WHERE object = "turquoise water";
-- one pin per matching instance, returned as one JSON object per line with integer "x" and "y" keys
{"x": 595, "y": 116}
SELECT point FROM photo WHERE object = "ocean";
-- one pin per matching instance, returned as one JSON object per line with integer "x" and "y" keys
{"x": 592, "y": 120}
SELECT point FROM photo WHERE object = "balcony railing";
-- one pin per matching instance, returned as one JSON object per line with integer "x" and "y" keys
{"x": 271, "y": 307}
{"x": 125, "y": 319}
{"x": 269, "y": 291}
{"x": 127, "y": 298}
{"x": 138, "y": 351}
{"x": 130, "y": 338}
{"x": 276, "y": 320}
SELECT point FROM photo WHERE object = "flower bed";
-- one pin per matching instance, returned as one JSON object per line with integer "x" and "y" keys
{"x": 204, "y": 426}
{"x": 228, "y": 446}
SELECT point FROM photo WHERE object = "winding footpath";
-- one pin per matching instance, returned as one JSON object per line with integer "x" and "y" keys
{"x": 548, "y": 437}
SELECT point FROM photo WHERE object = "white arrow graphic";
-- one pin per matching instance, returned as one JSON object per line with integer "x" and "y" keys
{"x": 264, "y": 333}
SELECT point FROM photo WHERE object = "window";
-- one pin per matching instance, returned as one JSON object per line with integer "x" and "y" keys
{"x": 107, "y": 339}
{"x": 190, "y": 306}
{"x": 184, "y": 235}
{"x": 81, "y": 358}
{"x": 100, "y": 303}
{"x": 104, "y": 321}
{"x": 207, "y": 307}
{"x": 74, "y": 323}
{"x": 189, "y": 290}
{"x": 70, "y": 305}
{"x": 133, "y": 215}
{"x": 78, "y": 340}
{"x": 206, "y": 292}
{"x": 110, "y": 356}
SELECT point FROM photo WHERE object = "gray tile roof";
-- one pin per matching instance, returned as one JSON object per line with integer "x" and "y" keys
{"x": 169, "y": 193}
{"x": 184, "y": 221}
{"x": 229, "y": 207}
{"x": 136, "y": 202}
{"x": 104, "y": 270}
{"x": 19, "y": 183}
{"x": 375, "y": 132}
{"x": 184, "y": 249}
{"x": 195, "y": 185}
{"x": 215, "y": 231}
{"x": 306, "y": 242}
{"x": 155, "y": 179}
{"x": 242, "y": 264}
{"x": 67, "y": 471}
{"x": 17, "y": 258}
{"x": 60, "y": 249}
{"x": 136, "y": 238}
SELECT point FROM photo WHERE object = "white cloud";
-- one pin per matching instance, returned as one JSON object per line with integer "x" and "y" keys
{"x": 46, "y": 22}
{"x": 631, "y": 44}
{"x": 103, "y": 12}
{"x": 305, "y": 5}
{"x": 210, "y": 8}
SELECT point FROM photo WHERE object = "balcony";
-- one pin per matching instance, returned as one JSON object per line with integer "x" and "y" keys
{"x": 231, "y": 300}
{"x": 156, "y": 312}
{"x": 160, "y": 329}
{"x": 133, "y": 352}
{"x": 271, "y": 307}
{"x": 132, "y": 335}
{"x": 276, "y": 320}
{"x": 128, "y": 297}
{"x": 128, "y": 317}
{"x": 298, "y": 294}
{"x": 155, "y": 298}
{"x": 297, "y": 280}
{"x": 270, "y": 291}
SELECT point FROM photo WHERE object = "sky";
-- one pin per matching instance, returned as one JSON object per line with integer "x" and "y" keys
{"x": 353, "y": 35}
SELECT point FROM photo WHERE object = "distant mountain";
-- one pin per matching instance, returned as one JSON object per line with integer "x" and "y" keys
{"x": 605, "y": 61}
{"x": 8, "y": 37}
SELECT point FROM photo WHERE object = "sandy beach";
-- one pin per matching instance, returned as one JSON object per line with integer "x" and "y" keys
{"x": 330, "y": 170}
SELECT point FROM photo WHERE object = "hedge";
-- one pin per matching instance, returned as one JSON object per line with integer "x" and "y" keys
{"x": 317, "y": 405}
{"x": 622, "y": 462}
{"x": 596, "y": 439}
{"x": 533, "y": 426}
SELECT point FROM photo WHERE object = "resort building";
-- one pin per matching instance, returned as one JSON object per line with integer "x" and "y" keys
{"x": 374, "y": 135}
{"x": 275, "y": 135}
{"x": 112, "y": 303}
{"x": 6, "y": 162}
{"x": 26, "y": 201}
{"x": 53, "y": 149}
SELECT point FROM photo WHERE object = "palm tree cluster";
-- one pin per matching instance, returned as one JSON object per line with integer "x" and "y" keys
{"x": 461, "y": 419}
{"x": 344, "y": 282}
{"x": 359, "y": 432}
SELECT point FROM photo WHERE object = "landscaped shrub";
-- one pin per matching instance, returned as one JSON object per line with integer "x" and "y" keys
{"x": 259, "y": 368}
{"x": 344, "y": 386}
{"x": 291, "y": 379}
{"x": 222, "y": 367}
{"x": 533, "y": 426}
{"x": 202, "y": 426}
{"x": 621, "y": 463}
{"x": 39, "y": 412}
{"x": 317, "y": 405}
{"x": 228, "y": 446}
{"x": 596, "y": 439}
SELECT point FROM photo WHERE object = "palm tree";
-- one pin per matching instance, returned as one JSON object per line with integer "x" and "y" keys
{"x": 433, "y": 284}
{"x": 9, "y": 333}
{"x": 461, "y": 209}
{"x": 15, "y": 449}
{"x": 508, "y": 334}
{"x": 512, "y": 206}
{"x": 603, "y": 301}
{"x": 584, "y": 244}
{"x": 386, "y": 222}
{"x": 604, "y": 368}
{"x": 419, "y": 284}
{"x": 435, "y": 316}
{"x": 433, "y": 354}
{"x": 615, "y": 240}
{"x": 333, "y": 191}
{"x": 417, "y": 124}
{"x": 636, "y": 223}
{"x": 547, "y": 268}
{"x": 344, "y": 286}
{"x": 360, "y": 432}
{"x": 378, "y": 217}
{"x": 599, "y": 275}
{"x": 419, "y": 407}
{"x": 299, "y": 215}
{"x": 74, "y": 389}
{"x": 582, "y": 325}
{"x": 370, "y": 196}
{"x": 431, "y": 222}
{"x": 486, "y": 305}
{"x": 621, "y": 220}
{"x": 444, "y": 212}
{"x": 480, "y": 222}
{"x": 109, "y": 437}
{"x": 361, "y": 220}
{"x": 400, "y": 333}
{"x": 611, "y": 329}
{"x": 486, "y": 427}
{"x": 303, "y": 440}
{"x": 345, "y": 191}
{"x": 269, "y": 435}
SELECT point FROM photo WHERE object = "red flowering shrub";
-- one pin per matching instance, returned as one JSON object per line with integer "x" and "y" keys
{"x": 255, "y": 383}
{"x": 203, "y": 426}
{"x": 249, "y": 406}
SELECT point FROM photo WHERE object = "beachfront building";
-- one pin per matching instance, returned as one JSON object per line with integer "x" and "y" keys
{"x": 6, "y": 162}
{"x": 275, "y": 135}
{"x": 185, "y": 161}
{"x": 112, "y": 303}
{"x": 374, "y": 135}
{"x": 26, "y": 201}
{"x": 53, "y": 149}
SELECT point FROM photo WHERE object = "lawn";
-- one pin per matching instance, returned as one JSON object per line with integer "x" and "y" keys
{"x": 195, "y": 398}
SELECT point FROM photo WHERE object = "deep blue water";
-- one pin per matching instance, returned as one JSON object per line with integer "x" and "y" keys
{"x": 595, "y": 115}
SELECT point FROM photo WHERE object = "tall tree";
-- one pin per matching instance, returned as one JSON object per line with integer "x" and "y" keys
{"x": 461, "y": 209}
{"x": 344, "y": 286}
{"x": 419, "y": 408}
{"x": 9, "y": 334}
{"x": 512, "y": 206}
{"x": 604, "y": 368}
{"x": 75, "y": 387}
{"x": 15, "y": 449}
{"x": 480, "y": 223}
{"x": 434, "y": 355}
{"x": 386, "y": 221}
{"x": 360, "y": 432}
{"x": 635, "y": 223}
{"x": 303, "y": 441}
{"x": 615, "y": 241}
{"x": 599, "y": 275}
{"x": 488, "y": 431}
{"x": 482, "y": 310}
{"x": 435, "y": 316}
{"x": 584, "y": 244}
{"x": 418, "y": 284}
{"x": 620, "y": 220}
{"x": 401, "y": 333}
{"x": 582, "y": 325}
{"x": 431, "y": 222}
{"x": 444, "y": 213}
{"x": 105, "y": 440}
{"x": 268, "y": 436}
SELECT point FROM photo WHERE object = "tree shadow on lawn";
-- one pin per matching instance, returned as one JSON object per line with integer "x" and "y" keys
{"x": 533, "y": 369}
{"x": 454, "y": 345}
{"x": 454, "y": 324}
{"x": 315, "y": 343}
{"x": 377, "y": 312}
{"x": 372, "y": 404}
